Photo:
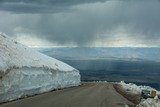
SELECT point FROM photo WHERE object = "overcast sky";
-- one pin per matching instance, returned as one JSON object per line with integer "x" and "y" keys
{"x": 96, "y": 23}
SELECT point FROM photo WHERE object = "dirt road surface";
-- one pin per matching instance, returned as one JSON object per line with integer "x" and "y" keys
{"x": 86, "y": 95}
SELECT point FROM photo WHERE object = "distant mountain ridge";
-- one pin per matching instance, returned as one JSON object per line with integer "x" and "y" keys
{"x": 136, "y": 65}
{"x": 122, "y": 53}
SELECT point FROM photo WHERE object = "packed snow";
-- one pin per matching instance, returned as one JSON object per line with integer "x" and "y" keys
{"x": 133, "y": 88}
{"x": 149, "y": 103}
{"x": 24, "y": 71}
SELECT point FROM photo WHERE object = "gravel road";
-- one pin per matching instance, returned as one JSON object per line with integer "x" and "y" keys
{"x": 86, "y": 95}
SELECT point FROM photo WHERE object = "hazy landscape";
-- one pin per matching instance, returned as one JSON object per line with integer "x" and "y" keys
{"x": 137, "y": 65}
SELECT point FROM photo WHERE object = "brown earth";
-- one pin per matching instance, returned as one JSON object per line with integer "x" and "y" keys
{"x": 135, "y": 98}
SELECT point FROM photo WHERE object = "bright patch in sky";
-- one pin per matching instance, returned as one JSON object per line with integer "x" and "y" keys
{"x": 33, "y": 41}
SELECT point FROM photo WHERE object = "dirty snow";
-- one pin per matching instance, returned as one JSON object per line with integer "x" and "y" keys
{"x": 133, "y": 88}
{"x": 149, "y": 103}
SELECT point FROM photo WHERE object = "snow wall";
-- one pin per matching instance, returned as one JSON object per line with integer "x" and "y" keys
{"x": 30, "y": 81}
{"x": 25, "y": 72}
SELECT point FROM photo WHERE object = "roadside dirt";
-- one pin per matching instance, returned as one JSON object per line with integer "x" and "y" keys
{"x": 135, "y": 98}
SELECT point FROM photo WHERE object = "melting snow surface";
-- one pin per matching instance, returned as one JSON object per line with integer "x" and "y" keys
{"x": 149, "y": 103}
{"x": 133, "y": 88}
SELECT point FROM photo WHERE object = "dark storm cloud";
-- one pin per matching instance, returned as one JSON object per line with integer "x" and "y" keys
{"x": 138, "y": 18}
{"x": 41, "y": 6}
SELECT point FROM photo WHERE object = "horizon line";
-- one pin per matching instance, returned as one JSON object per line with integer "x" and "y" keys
{"x": 93, "y": 47}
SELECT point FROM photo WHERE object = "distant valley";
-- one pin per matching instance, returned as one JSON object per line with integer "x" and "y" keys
{"x": 137, "y": 65}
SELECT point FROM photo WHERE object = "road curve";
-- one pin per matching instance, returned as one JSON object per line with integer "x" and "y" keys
{"x": 86, "y": 95}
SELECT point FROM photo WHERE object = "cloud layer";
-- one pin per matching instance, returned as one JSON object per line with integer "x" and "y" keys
{"x": 84, "y": 22}
{"x": 41, "y": 6}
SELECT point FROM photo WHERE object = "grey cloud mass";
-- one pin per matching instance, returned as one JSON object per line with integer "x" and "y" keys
{"x": 41, "y": 6}
{"x": 83, "y": 21}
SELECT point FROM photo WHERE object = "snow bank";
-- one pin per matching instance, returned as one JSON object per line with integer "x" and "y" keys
{"x": 24, "y": 71}
{"x": 133, "y": 88}
{"x": 149, "y": 103}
